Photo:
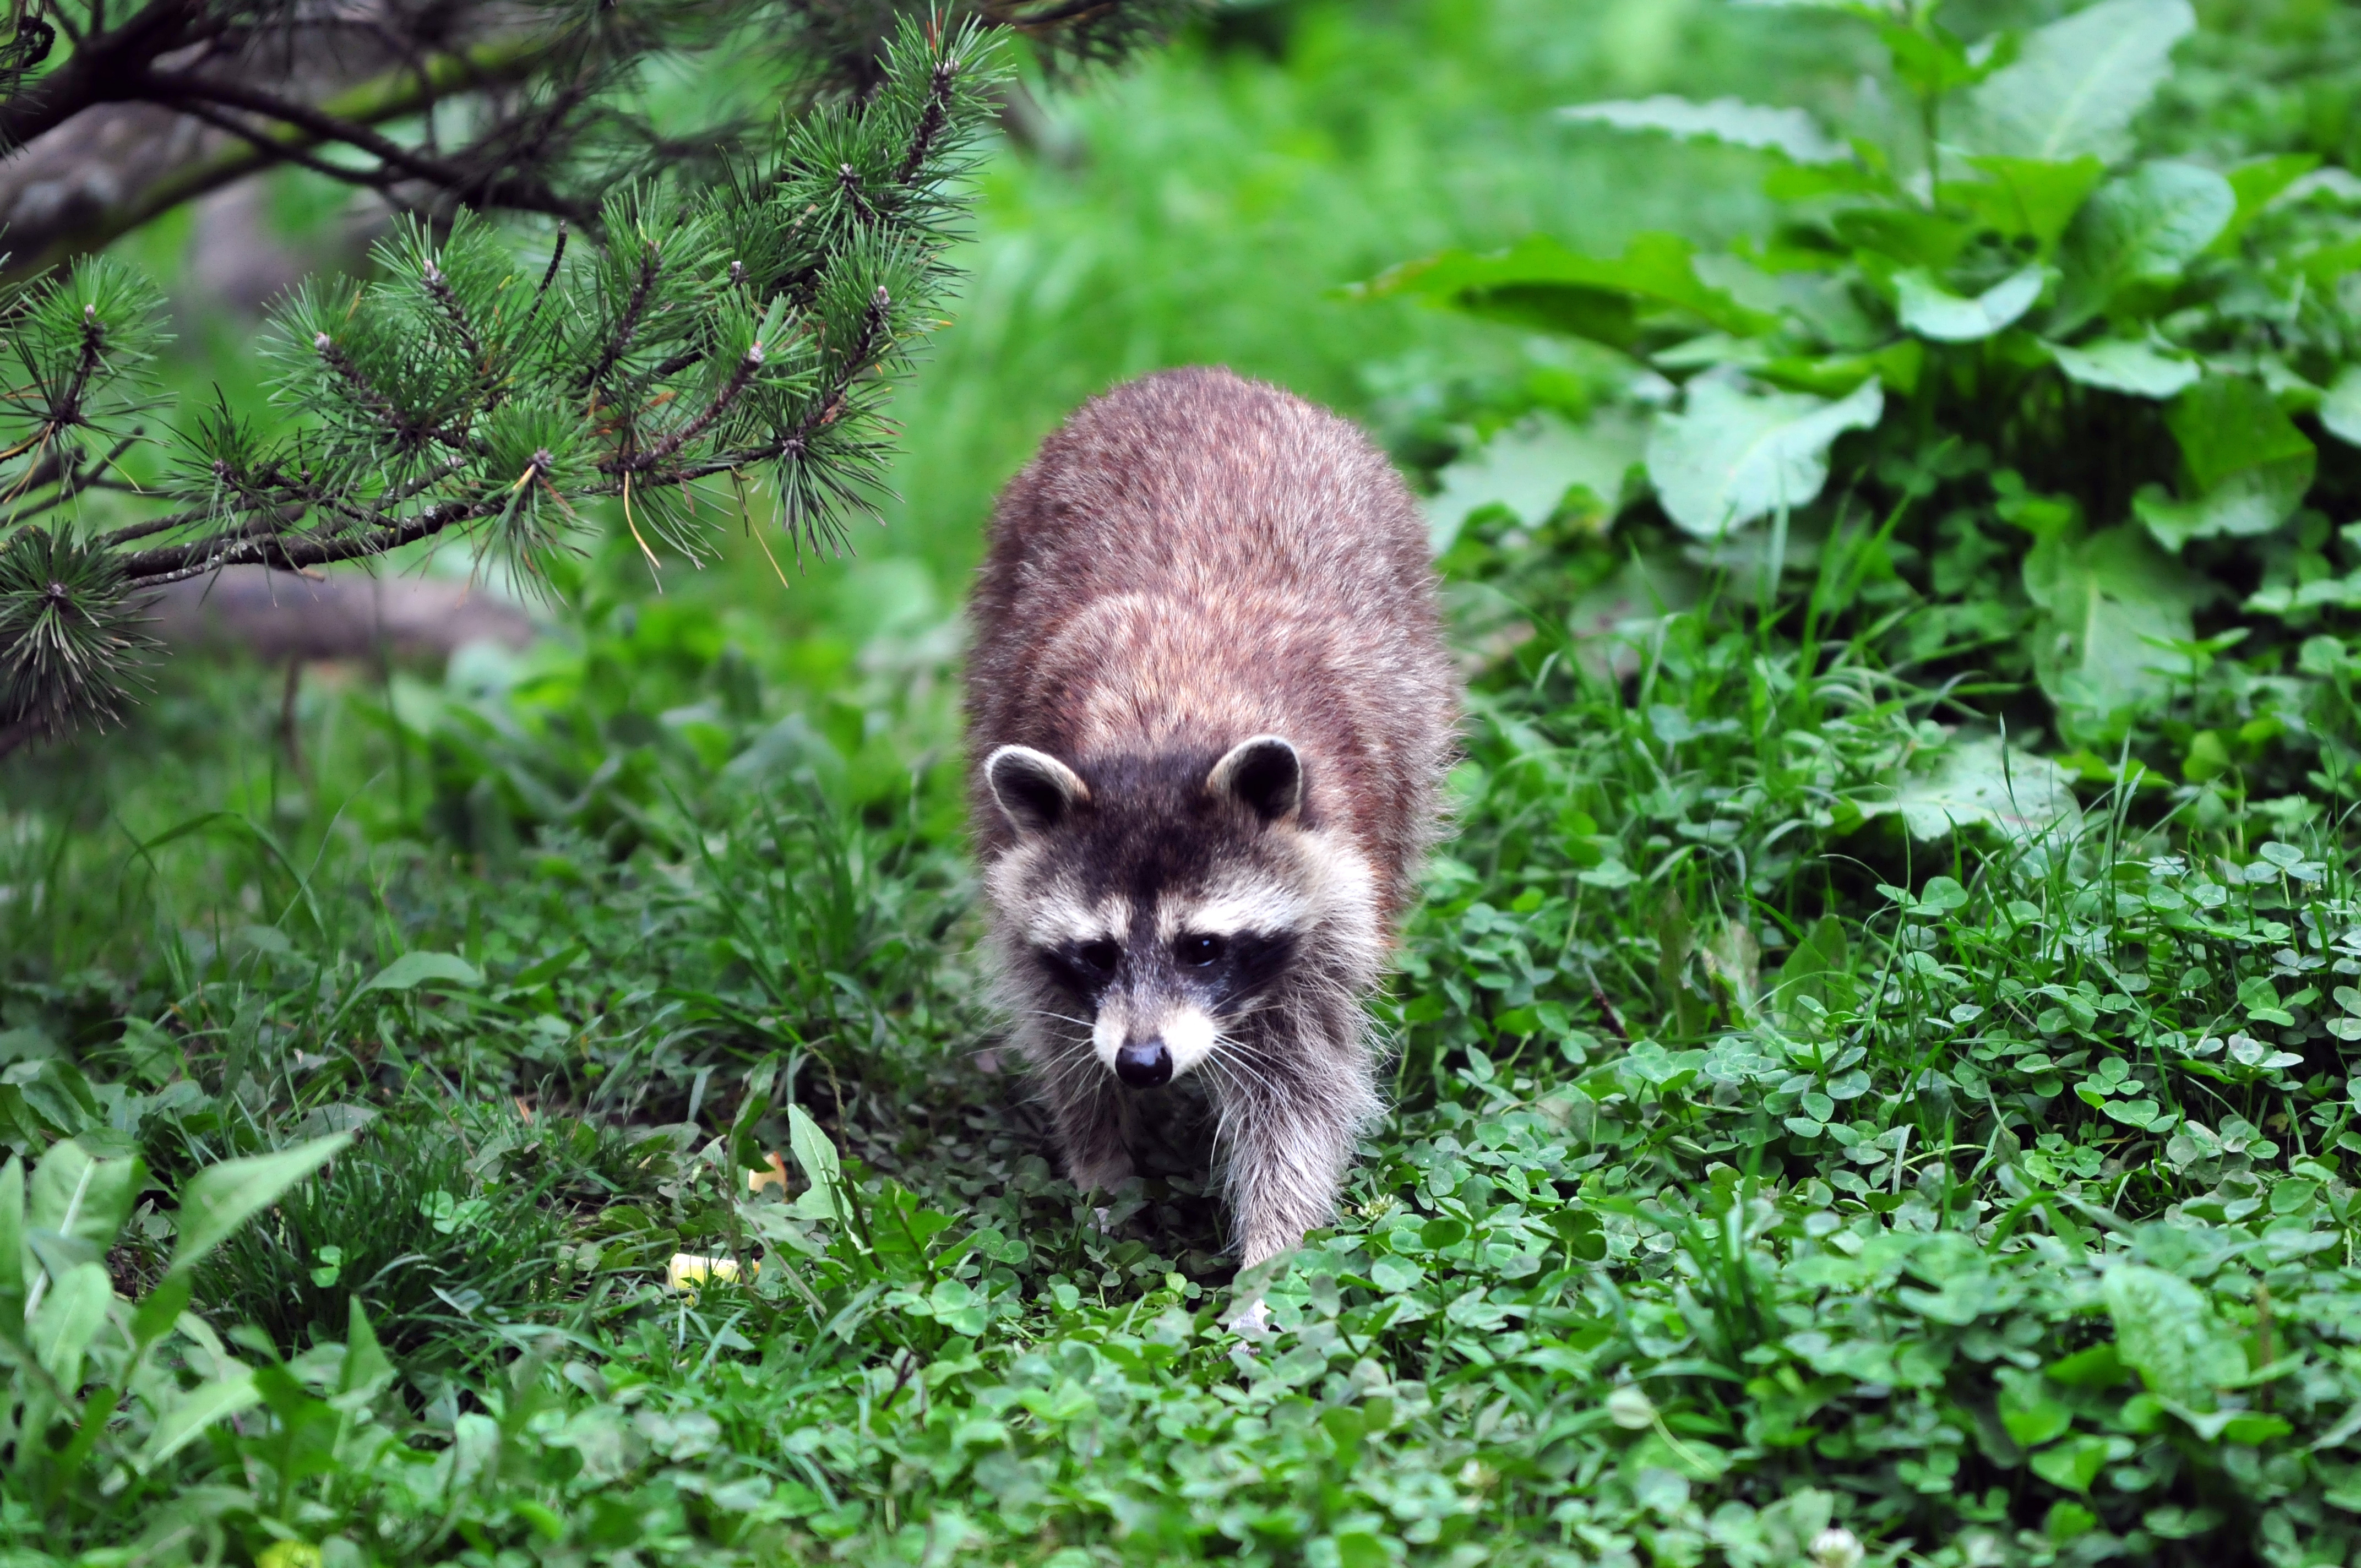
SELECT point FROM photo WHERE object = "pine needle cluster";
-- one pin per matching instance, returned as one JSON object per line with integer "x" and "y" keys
{"x": 721, "y": 350}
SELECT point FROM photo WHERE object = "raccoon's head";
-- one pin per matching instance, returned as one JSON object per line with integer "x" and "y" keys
{"x": 1161, "y": 900}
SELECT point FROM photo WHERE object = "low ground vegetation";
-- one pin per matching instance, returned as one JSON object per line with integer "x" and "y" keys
{"x": 1872, "y": 1074}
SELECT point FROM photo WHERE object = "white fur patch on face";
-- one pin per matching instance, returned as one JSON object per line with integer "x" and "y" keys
{"x": 1245, "y": 903}
{"x": 1187, "y": 1032}
{"x": 1188, "y": 1035}
{"x": 1055, "y": 914}
{"x": 1343, "y": 893}
{"x": 1107, "y": 1029}
{"x": 1333, "y": 889}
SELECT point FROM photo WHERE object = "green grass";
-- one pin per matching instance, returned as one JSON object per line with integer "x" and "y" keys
{"x": 1802, "y": 1151}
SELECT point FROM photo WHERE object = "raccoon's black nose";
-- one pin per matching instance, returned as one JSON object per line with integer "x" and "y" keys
{"x": 1143, "y": 1064}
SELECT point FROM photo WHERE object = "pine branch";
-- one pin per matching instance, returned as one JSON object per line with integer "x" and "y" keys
{"x": 930, "y": 124}
{"x": 170, "y": 563}
{"x": 747, "y": 364}
{"x": 756, "y": 324}
{"x": 627, "y": 325}
{"x": 448, "y": 298}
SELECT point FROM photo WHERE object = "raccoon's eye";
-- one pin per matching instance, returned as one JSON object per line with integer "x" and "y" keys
{"x": 1198, "y": 951}
{"x": 1098, "y": 956}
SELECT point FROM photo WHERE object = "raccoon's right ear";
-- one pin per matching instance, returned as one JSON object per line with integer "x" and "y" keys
{"x": 1035, "y": 790}
{"x": 1265, "y": 774}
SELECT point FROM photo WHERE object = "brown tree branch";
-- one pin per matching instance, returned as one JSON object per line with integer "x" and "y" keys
{"x": 101, "y": 66}
{"x": 171, "y": 177}
{"x": 528, "y": 195}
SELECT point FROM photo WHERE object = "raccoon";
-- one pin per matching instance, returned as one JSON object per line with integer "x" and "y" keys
{"x": 1208, "y": 710}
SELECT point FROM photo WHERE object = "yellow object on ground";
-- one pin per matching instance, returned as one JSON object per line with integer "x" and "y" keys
{"x": 686, "y": 1269}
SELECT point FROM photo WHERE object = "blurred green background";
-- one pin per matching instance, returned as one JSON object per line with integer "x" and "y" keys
{"x": 1209, "y": 203}
{"x": 1204, "y": 205}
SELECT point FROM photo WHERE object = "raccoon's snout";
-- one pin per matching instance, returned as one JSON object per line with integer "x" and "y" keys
{"x": 1143, "y": 1064}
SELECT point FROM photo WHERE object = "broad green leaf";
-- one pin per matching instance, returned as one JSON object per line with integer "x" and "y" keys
{"x": 412, "y": 970}
{"x": 1932, "y": 311}
{"x": 2248, "y": 463}
{"x": 1908, "y": 237}
{"x": 2098, "y": 1368}
{"x": 2242, "y": 507}
{"x": 2142, "y": 228}
{"x": 86, "y": 1199}
{"x": 1733, "y": 454}
{"x": 1540, "y": 283}
{"x": 160, "y": 1308}
{"x": 2326, "y": 265}
{"x": 2165, "y": 1331}
{"x": 1791, "y": 132}
{"x": 1940, "y": 896}
{"x": 2030, "y": 197}
{"x": 2077, "y": 84}
{"x": 1932, "y": 63}
{"x": 2030, "y": 1409}
{"x": 1975, "y": 786}
{"x": 69, "y": 1319}
{"x": 220, "y": 1198}
{"x": 2340, "y": 411}
{"x": 186, "y": 1419}
{"x": 367, "y": 1372}
{"x": 2125, "y": 365}
{"x": 1530, "y": 467}
{"x": 2072, "y": 1465}
{"x": 2256, "y": 183}
{"x": 57, "y": 1093}
{"x": 2227, "y": 425}
{"x": 817, "y": 1157}
{"x": 2109, "y": 599}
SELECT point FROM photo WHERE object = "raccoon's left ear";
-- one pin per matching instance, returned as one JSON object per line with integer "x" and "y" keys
{"x": 1265, "y": 774}
{"x": 1035, "y": 790}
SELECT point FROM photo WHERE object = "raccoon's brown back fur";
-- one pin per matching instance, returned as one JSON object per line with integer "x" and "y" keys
{"x": 1195, "y": 558}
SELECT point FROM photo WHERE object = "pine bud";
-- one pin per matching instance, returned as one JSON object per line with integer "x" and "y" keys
{"x": 320, "y": 341}
{"x": 754, "y": 355}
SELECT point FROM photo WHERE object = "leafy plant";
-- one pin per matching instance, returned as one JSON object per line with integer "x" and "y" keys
{"x": 104, "y": 1391}
{"x": 424, "y": 1231}
{"x": 2088, "y": 403}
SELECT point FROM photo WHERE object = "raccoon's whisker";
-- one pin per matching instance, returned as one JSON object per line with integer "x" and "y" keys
{"x": 1083, "y": 1023}
{"x": 1236, "y": 1103}
{"x": 1070, "y": 1069}
{"x": 1239, "y": 1070}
